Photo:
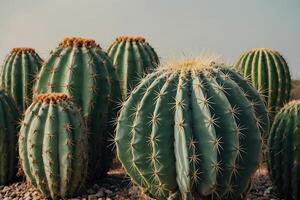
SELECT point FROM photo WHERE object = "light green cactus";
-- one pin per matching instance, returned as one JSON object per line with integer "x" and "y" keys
{"x": 192, "y": 129}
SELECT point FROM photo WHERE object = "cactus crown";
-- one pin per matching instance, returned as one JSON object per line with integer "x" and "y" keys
{"x": 22, "y": 50}
{"x": 52, "y": 97}
{"x": 131, "y": 39}
{"x": 78, "y": 42}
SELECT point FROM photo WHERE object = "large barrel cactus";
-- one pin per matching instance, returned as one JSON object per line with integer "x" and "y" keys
{"x": 269, "y": 73}
{"x": 8, "y": 138}
{"x": 53, "y": 146}
{"x": 79, "y": 68}
{"x": 133, "y": 57}
{"x": 284, "y": 151}
{"x": 192, "y": 129}
{"x": 18, "y": 73}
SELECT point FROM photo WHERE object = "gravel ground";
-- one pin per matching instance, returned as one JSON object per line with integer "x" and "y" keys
{"x": 116, "y": 186}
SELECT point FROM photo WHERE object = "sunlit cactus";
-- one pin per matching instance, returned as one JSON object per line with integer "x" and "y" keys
{"x": 8, "y": 138}
{"x": 53, "y": 146}
{"x": 133, "y": 57}
{"x": 284, "y": 151}
{"x": 192, "y": 129}
{"x": 79, "y": 68}
{"x": 18, "y": 73}
{"x": 269, "y": 73}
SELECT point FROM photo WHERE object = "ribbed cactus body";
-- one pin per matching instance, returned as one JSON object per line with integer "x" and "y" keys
{"x": 53, "y": 146}
{"x": 269, "y": 73}
{"x": 133, "y": 57}
{"x": 79, "y": 68}
{"x": 284, "y": 151}
{"x": 8, "y": 138}
{"x": 192, "y": 130}
{"x": 18, "y": 73}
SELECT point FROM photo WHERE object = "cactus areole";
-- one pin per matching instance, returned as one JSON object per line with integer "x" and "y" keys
{"x": 17, "y": 75}
{"x": 269, "y": 73}
{"x": 192, "y": 129}
{"x": 284, "y": 151}
{"x": 133, "y": 57}
{"x": 79, "y": 68}
{"x": 8, "y": 138}
{"x": 53, "y": 146}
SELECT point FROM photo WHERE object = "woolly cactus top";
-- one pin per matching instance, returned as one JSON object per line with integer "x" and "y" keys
{"x": 131, "y": 39}
{"x": 52, "y": 97}
{"x": 292, "y": 104}
{"x": 78, "y": 42}
{"x": 22, "y": 50}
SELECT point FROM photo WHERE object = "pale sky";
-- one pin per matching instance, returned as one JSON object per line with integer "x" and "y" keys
{"x": 173, "y": 27}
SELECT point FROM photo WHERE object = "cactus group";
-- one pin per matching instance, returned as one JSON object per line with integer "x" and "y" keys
{"x": 269, "y": 73}
{"x": 18, "y": 73}
{"x": 192, "y": 129}
{"x": 79, "y": 68}
{"x": 133, "y": 57}
{"x": 284, "y": 151}
{"x": 53, "y": 146}
{"x": 8, "y": 138}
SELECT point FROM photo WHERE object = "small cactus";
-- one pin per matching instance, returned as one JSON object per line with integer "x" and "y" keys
{"x": 53, "y": 146}
{"x": 192, "y": 129}
{"x": 269, "y": 73}
{"x": 17, "y": 75}
{"x": 8, "y": 138}
{"x": 284, "y": 151}
{"x": 133, "y": 57}
{"x": 79, "y": 68}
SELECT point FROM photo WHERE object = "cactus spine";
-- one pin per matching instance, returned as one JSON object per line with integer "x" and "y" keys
{"x": 133, "y": 57}
{"x": 79, "y": 68}
{"x": 18, "y": 73}
{"x": 269, "y": 73}
{"x": 8, "y": 138}
{"x": 192, "y": 129}
{"x": 284, "y": 151}
{"x": 53, "y": 146}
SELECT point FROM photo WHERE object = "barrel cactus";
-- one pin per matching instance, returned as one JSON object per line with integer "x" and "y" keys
{"x": 53, "y": 146}
{"x": 133, "y": 57}
{"x": 18, "y": 73}
{"x": 269, "y": 73}
{"x": 79, "y": 68}
{"x": 192, "y": 129}
{"x": 284, "y": 151}
{"x": 8, "y": 138}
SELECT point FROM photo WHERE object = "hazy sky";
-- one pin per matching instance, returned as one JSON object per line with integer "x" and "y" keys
{"x": 173, "y": 27}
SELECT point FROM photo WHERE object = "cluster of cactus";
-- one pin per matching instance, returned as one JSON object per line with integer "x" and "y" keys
{"x": 133, "y": 57}
{"x": 53, "y": 145}
{"x": 192, "y": 129}
{"x": 284, "y": 151}
{"x": 18, "y": 73}
{"x": 269, "y": 73}
{"x": 8, "y": 138}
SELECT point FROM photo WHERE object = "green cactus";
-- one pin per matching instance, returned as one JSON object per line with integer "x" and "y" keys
{"x": 79, "y": 68}
{"x": 8, "y": 138}
{"x": 269, "y": 73}
{"x": 53, "y": 146}
{"x": 192, "y": 129}
{"x": 18, "y": 73}
{"x": 284, "y": 151}
{"x": 133, "y": 57}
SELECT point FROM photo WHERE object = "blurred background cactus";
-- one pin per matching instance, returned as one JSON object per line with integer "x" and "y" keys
{"x": 17, "y": 75}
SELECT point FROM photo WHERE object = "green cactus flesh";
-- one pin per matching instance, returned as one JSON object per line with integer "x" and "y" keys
{"x": 133, "y": 57}
{"x": 18, "y": 73}
{"x": 284, "y": 151}
{"x": 8, "y": 138}
{"x": 192, "y": 130}
{"x": 53, "y": 146}
{"x": 79, "y": 68}
{"x": 269, "y": 73}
